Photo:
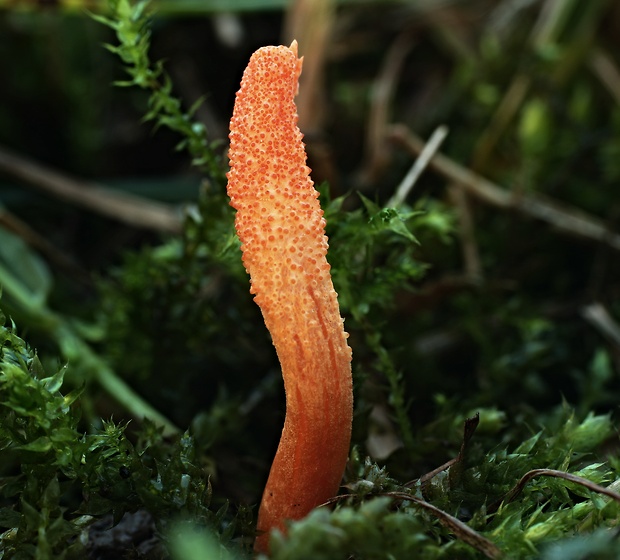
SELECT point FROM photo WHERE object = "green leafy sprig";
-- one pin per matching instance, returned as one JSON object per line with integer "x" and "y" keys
{"x": 55, "y": 479}
{"x": 130, "y": 22}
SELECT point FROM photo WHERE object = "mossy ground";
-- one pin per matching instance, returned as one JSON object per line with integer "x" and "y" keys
{"x": 483, "y": 308}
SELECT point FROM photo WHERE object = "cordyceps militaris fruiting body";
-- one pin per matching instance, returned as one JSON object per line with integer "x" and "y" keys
{"x": 282, "y": 230}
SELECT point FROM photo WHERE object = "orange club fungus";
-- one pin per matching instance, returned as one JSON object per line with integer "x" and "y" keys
{"x": 282, "y": 231}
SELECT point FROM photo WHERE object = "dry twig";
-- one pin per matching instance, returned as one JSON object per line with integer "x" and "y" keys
{"x": 383, "y": 90}
{"x": 469, "y": 247}
{"x": 602, "y": 64}
{"x": 518, "y": 488}
{"x": 597, "y": 315}
{"x": 460, "y": 529}
{"x": 419, "y": 165}
{"x": 41, "y": 244}
{"x": 130, "y": 209}
{"x": 564, "y": 218}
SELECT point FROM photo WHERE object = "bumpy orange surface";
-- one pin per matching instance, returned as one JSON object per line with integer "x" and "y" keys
{"x": 282, "y": 231}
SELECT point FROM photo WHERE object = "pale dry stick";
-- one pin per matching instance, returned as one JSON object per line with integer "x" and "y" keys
{"x": 454, "y": 33}
{"x": 471, "y": 257}
{"x": 12, "y": 223}
{"x": 550, "y": 22}
{"x": 469, "y": 247}
{"x": 310, "y": 23}
{"x": 603, "y": 66}
{"x": 567, "y": 219}
{"x": 597, "y": 315}
{"x": 381, "y": 99}
{"x": 419, "y": 165}
{"x": 130, "y": 209}
{"x": 506, "y": 110}
{"x": 505, "y": 15}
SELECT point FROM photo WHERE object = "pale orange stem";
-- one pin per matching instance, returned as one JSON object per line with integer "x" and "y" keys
{"x": 282, "y": 231}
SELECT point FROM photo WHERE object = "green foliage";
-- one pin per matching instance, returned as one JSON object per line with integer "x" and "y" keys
{"x": 195, "y": 544}
{"x": 373, "y": 252}
{"x": 600, "y": 545}
{"x": 377, "y": 514}
{"x": 129, "y": 20}
{"x": 370, "y": 531}
{"x": 26, "y": 281}
{"x": 172, "y": 308}
{"x": 176, "y": 336}
{"x": 25, "y": 277}
{"x": 55, "y": 477}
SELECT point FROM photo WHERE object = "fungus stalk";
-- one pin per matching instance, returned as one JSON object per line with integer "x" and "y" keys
{"x": 282, "y": 231}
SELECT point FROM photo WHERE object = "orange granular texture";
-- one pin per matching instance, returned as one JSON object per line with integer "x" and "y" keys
{"x": 282, "y": 231}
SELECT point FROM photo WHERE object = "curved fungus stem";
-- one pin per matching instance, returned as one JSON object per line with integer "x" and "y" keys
{"x": 282, "y": 230}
